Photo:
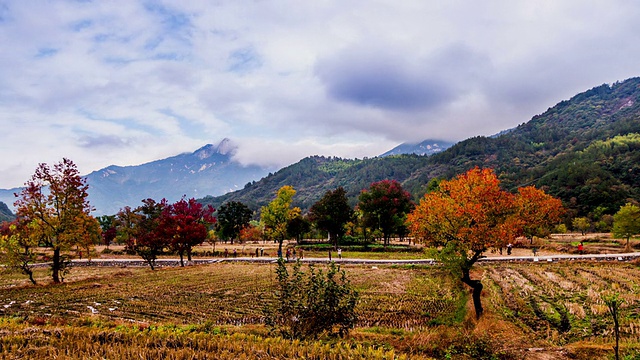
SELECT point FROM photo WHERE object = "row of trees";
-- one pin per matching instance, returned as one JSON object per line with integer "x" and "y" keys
{"x": 53, "y": 212}
{"x": 155, "y": 226}
{"x": 382, "y": 207}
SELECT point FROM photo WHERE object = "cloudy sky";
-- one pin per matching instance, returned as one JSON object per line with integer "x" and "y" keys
{"x": 130, "y": 81}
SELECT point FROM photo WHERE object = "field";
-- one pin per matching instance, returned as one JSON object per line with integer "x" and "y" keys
{"x": 536, "y": 311}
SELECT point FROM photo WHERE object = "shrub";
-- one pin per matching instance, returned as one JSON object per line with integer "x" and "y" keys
{"x": 311, "y": 304}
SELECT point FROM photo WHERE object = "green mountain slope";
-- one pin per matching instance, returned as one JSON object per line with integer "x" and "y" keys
{"x": 583, "y": 150}
{"x": 5, "y": 213}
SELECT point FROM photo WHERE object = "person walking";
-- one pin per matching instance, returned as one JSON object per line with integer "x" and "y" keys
{"x": 339, "y": 253}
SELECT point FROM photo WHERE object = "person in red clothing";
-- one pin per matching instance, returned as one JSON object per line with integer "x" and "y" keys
{"x": 581, "y": 248}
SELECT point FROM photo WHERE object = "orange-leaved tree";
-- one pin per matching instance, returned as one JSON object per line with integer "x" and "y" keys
{"x": 537, "y": 210}
{"x": 465, "y": 217}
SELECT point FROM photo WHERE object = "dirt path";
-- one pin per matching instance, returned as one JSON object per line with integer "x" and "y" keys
{"x": 490, "y": 259}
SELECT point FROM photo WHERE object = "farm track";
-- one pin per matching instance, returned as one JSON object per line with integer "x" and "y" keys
{"x": 623, "y": 257}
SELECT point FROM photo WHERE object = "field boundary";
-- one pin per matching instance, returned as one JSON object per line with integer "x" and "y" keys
{"x": 622, "y": 257}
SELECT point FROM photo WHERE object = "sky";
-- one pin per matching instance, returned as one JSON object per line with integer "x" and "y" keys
{"x": 126, "y": 82}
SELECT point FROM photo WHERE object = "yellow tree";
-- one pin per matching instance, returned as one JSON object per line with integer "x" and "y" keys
{"x": 17, "y": 248}
{"x": 54, "y": 204}
{"x": 464, "y": 218}
{"x": 277, "y": 214}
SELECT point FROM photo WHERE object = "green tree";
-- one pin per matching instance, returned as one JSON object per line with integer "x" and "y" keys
{"x": 125, "y": 223}
{"x": 233, "y": 216}
{"x": 297, "y": 227}
{"x": 311, "y": 304}
{"x": 384, "y": 206}
{"x": 54, "y": 204}
{"x": 331, "y": 213}
{"x": 276, "y": 215}
{"x": 581, "y": 224}
{"x": 626, "y": 222}
{"x": 17, "y": 246}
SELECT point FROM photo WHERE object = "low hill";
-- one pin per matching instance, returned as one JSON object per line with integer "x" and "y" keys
{"x": 5, "y": 213}
{"x": 584, "y": 150}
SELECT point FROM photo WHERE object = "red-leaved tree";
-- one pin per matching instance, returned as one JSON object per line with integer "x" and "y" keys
{"x": 55, "y": 206}
{"x": 185, "y": 224}
{"x": 384, "y": 206}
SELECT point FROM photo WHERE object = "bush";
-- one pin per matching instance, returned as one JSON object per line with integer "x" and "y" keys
{"x": 311, "y": 304}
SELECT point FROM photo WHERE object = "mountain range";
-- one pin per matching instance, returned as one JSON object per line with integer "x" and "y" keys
{"x": 585, "y": 150}
{"x": 209, "y": 170}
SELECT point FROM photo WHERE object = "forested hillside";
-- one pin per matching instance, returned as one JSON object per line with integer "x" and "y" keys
{"x": 585, "y": 150}
{"x": 5, "y": 213}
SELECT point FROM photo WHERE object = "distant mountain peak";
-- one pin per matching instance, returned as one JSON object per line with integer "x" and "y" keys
{"x": 426, "y": 147}
{"x": 224, "y": 147}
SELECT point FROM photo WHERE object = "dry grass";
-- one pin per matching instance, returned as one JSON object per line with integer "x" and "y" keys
{"x": 413, "y": 312}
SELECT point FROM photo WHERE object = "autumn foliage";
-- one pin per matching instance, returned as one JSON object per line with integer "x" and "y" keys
{"x": 55, "y": 207}
{"x": 384, "y": 206}
{"x": 470, "y": 214}
{"x": 184, "y": 225}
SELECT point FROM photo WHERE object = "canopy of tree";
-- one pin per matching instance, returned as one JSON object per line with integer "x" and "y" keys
{"x": 54, "y": 207}
{"x": 470, "y": 214}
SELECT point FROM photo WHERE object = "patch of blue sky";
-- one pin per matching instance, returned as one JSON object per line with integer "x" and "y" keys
{"x": 171, "y": 19}
{"x": 244, "y": 60}
{"x": 102, "y": 38}
{"x": 81, "y": 25}
{"x": 46, "y": 52}
{"x": 153, "y": 43}
{"x": 5, "y": 14}
{"x": 117, "y": 61}
{"x": 171, "y": 56}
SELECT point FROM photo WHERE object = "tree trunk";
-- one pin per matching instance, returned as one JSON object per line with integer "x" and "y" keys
{"x": 29, "y": 272}
{"x": 189, "y": 255}
{"x": 181, "y": 258}
{"x": 56, "y": 265}
{"x": 476, "y": 286}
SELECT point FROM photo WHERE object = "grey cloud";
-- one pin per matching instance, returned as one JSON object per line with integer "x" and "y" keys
{"x": 393, "y": 80}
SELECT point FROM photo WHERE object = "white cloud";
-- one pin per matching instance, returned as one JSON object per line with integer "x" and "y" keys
{"x": 128, "y": 81}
